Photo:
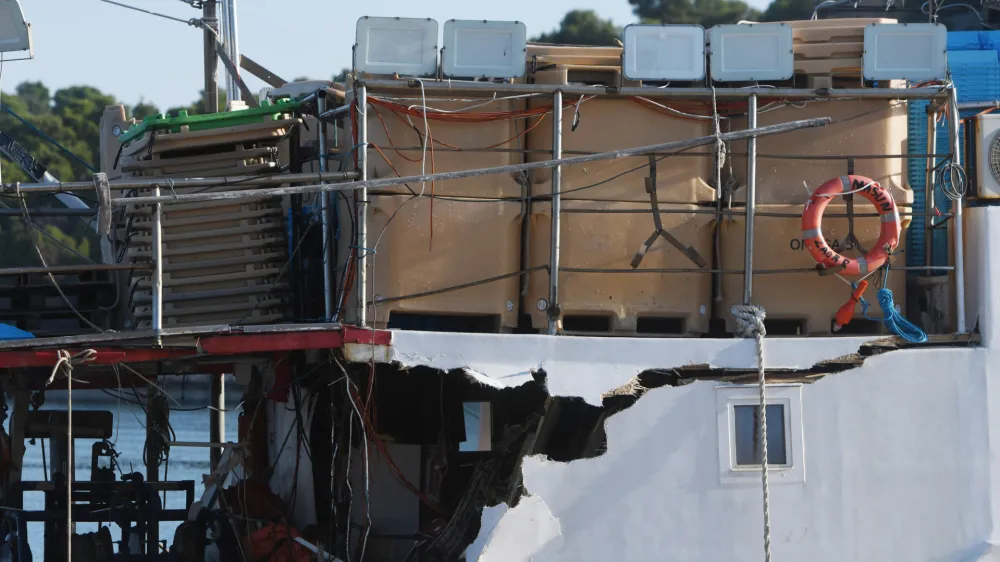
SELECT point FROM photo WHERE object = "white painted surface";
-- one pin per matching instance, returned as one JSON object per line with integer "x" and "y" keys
{"x": 588, "y": 367}
{"x": 898, "y": 460}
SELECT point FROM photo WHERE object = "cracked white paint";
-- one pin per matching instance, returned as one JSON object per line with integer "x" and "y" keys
{"x": 898, "y": 465}
{"x": 587, "y": 367}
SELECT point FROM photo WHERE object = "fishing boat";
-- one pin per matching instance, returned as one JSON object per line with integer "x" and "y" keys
{"x": 709, "y": 294}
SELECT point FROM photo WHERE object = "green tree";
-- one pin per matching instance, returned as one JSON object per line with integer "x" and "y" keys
{"x": 789, "y": 10}
{"x": 197, "y": 107}
{"x": 144, "y": 109}
{"x": 36, "y": 96}
{"x": 706, "y": 13}
{"x": 582, "y": 27}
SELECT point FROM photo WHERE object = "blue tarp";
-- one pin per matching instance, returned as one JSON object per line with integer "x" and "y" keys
{"x": 8, "y": 332}
{"x": 975, "y": 67}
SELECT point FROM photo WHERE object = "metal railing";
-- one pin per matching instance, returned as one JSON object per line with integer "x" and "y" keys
{"x": 325, "y": 182}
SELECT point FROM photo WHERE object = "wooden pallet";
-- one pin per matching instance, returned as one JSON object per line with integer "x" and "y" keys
{"x": 234, "y": 159}
{"x": 256, "y": 303}
{"x": 164, "y": 141}
{"x": 240, "y": 218}
{"x": 249, "y": 275}
{"x": 143, "y": 319}
{"x": 195, "y": 239}
{"x": 187, "y": 270}
{"x": 204, "y": 211}
{"x": 245, "y": 245}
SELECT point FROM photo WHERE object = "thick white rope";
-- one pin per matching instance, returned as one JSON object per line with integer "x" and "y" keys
{"x": 64, "y": 366}
{"x": 750, "y": 322}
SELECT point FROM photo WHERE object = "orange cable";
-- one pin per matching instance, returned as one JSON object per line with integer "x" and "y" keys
{"x": 392, "y": 145}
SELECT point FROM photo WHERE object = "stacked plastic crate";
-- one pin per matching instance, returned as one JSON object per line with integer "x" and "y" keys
{"x": 975, "y": 69}
{"x": 468, "y": 231}
{"x": 223, "y": 261}
{"x": 607, "y": 213}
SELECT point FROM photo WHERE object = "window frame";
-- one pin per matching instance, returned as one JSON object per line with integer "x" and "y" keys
{"x": 789, "y": 396}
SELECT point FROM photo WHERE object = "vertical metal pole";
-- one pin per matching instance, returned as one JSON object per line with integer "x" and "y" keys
{"x": 929, "y": 188}
{"x": 233, "y": 48}
{"x": 958, "y": 225}
{"x": 217, "y": 424}
{"x": 70, "y": 467}
{"x": 557, "y": 126}
{"x": 751, "y": 201}
{"x": 211, "y": 59}
{"x": 157, "y": 265}
{"x": 224, "y": 36}
{"x": 362, "y": 208}
{"x": 152, "y": 459}
{"x": 325, "y": 213}
{"x": 295, "y": 167}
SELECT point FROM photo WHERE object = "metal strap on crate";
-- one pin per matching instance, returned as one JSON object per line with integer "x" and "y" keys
{"x": 659, "y": 231}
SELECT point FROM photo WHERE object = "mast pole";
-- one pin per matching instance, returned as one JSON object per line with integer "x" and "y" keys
{"x": 211, "y": 100}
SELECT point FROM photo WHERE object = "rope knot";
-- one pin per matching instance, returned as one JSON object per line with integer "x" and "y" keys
{"x": 749, "y": 320}
{"x": 66, "y": 361}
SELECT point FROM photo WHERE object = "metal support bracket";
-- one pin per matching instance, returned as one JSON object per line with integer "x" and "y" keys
{"x": 269, "y": 78}
{"x": 659, "y": 231}
{"x": 851, "y": 239}
{"x": 248, "y": 96}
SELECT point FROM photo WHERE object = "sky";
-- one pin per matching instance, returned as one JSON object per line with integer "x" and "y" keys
{"x": 136, "y": 56}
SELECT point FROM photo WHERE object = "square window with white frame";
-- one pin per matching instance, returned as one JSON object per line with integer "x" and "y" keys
{"x": 740, "y": 444}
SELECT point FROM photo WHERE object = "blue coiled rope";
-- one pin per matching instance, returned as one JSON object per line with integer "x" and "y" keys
{"x": 895, "y": 322}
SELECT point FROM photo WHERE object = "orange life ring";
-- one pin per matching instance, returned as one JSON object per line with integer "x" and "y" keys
{"x": 812, "y": 217}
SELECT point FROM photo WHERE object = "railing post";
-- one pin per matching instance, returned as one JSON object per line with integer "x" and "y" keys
{"x": 157, "y": 252}
{"x": 929, "y": 188}
{"x": 217, "y": 423}
{"x": 553, "y": 307}
{"x": 325, "y": 213}
{"x": 362, "y": 207}
{"x": 957, "y": 223}
{"x": 751, "y": 200}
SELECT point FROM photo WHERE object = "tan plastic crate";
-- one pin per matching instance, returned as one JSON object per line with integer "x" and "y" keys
{"x": 608, "y": 124}
{"x": 671, "y": 303}
{"x": 859, "y": 128}
{"x": 472, "y": 241}
{"x": 804, "y": 297}
{"x": 387, "y": 129}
